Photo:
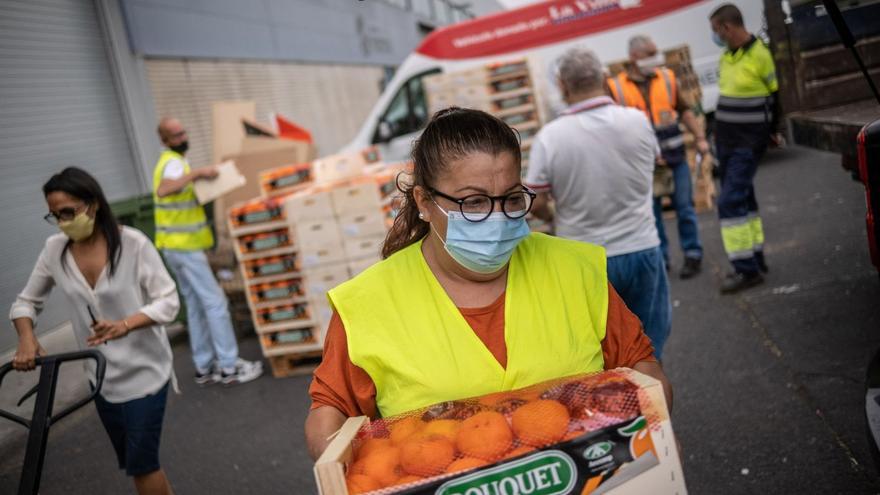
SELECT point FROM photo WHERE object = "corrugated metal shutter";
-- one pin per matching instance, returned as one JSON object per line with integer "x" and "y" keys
{"x": 58, "y": 107}
{"x": 332, "y": 101}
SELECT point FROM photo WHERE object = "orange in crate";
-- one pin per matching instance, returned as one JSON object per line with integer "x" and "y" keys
{"x": 382, "y": 465}
{"x": 372, "y": 445}
{"x": 446, "y": 428}
{"x": 540, "y": 422}
{"x": 405, "y": 428}
{"x": 465, "y": 463}
{"x": 273, "y": 265}
{"x": 525, "y": 449}
{"x": 410, "y": 478}
{"x": 427, "y": 456}
{"x": 264, "y": 241}
{"x": 361, "y": 483}
{"x": 485, "y": 435}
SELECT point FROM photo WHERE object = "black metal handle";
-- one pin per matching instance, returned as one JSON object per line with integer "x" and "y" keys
{"x": 55, "y": 360}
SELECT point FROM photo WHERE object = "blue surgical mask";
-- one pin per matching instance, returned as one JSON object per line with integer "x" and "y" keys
{"x": 483, "y": 247}
{"x": 718, "y": 41}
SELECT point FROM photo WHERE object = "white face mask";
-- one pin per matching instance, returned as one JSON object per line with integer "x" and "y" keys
{"x": 647, "y": 65}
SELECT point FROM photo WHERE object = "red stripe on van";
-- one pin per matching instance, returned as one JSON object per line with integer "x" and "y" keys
{"x": 541, "y": 24}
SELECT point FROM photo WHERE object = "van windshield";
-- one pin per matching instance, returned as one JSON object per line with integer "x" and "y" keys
{"x": 408, "y": 111}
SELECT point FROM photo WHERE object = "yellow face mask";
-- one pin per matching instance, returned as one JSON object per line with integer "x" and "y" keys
{"x": 81, "y": 227}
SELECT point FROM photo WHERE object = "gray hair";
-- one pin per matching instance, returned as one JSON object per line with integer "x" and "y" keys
{"x": 639, "y": 42}
{"x": 580, "y": 70}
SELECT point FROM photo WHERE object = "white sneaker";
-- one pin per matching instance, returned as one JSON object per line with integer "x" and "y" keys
{"x": 244, "y": 371}
{"x": 207, "y": 377}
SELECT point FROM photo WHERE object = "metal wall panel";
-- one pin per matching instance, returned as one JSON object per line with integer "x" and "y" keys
{"x": 58, "y": 107}
{"x": 325, "y": 31}
{"x": 330, "y": 100}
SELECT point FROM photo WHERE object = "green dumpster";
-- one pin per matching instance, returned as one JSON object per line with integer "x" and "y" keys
{"x": 136, "y": 212}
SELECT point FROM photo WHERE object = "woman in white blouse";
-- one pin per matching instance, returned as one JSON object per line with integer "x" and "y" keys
{"x": 120, "y": 296}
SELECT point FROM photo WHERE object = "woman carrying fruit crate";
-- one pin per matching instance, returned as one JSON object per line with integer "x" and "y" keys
{"x": 467, "y": 301}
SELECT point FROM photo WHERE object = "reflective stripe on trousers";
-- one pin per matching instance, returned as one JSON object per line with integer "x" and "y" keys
{"x": 742, "y": 236}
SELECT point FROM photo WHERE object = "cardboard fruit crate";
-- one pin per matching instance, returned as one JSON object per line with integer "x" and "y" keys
{"x": 362, "y": 224}
{"x": 320, "y": 280}
{"x": 359, "y": 196}
{"x": 285, "y": 179}
{"x": 606, "y": 433}
{"x": 262, "y": 242}
{"x": 255, "y": 213}
{"x": 270, "y": 268}
{"x": 282, "y": 314}
{"x": 276, "y": 291}
{"x": 308, "y": 205}
{"x": 314, "y": 234}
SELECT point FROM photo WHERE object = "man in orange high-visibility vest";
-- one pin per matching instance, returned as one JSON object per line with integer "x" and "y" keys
{"x": 653, "y": 89}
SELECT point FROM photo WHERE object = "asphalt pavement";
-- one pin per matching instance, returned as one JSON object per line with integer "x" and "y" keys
{"x": 768, "y": 384}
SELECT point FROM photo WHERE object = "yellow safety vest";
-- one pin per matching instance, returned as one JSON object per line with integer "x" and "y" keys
{"x": 747, "y": 79}
{"x": 180, "y": 220}
{"x": 407, "y": 334}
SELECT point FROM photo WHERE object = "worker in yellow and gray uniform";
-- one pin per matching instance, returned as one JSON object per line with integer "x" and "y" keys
{"x": 183, "y": 235}
{"x": 745, "y": 118}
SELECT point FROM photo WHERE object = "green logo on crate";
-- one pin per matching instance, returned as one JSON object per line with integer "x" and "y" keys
{"x": 551, "y": 472}
{"x": 598, "y": 450}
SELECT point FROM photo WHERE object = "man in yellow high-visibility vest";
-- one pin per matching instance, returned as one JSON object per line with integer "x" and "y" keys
{"x": 745, "y": 118}
{"x": 183, "y": 233}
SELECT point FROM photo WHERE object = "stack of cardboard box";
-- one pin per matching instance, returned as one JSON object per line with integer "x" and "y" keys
{"x": 503, "y": 89}
{"x": 269, "y": 256}
{"x": 317, "y": 225}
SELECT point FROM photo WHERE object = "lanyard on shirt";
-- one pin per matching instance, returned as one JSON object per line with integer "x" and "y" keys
{"x": 591, "y": 104}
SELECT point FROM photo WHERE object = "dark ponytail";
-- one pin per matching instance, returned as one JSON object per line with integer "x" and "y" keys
{"x": 81, "y": 185}
{"x": 450, "y": 135}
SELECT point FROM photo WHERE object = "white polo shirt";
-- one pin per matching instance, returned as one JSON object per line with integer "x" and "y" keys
{"x": 597, "y": 162}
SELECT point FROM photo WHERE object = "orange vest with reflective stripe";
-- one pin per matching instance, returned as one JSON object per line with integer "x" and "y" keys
{"x": 661, "y": 92}
{"x": 662, "y": 95}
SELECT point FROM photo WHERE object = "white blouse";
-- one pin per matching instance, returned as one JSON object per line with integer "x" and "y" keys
{"x": 138, "y": 364}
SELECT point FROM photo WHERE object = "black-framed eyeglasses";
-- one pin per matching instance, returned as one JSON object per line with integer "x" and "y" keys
{"x": 63, "y": 215}
{"x": 478, "y": 207}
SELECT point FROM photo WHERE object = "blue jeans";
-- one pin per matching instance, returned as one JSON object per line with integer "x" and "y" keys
{"x": 683, "y": 203}
{"x": 640, "y": 279}
{"x": 211, "y": 337}
{"x": 135, "y": 428}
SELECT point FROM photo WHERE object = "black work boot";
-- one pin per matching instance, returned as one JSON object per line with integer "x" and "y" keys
{"x": 735, "y": 282}
{"x": 690, "y": 268}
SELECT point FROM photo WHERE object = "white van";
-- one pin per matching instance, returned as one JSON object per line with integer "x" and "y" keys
{"x": 540, "y": 33}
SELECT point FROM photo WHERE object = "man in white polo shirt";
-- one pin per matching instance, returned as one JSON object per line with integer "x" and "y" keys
{"x": 596, "y": 161}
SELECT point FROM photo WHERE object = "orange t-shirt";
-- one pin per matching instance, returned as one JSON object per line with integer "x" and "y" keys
{"x": 339, "y": 383}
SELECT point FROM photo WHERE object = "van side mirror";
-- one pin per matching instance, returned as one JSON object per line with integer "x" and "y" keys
{"x": 384, "y": 132}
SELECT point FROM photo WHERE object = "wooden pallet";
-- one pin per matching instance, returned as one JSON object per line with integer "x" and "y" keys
{"x": 297, "y": 364}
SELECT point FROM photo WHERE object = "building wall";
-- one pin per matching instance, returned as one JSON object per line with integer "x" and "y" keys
{"x": 59, "y": 106}
{"x": 330, "y": 100}
{"x": 334, "y": 31}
